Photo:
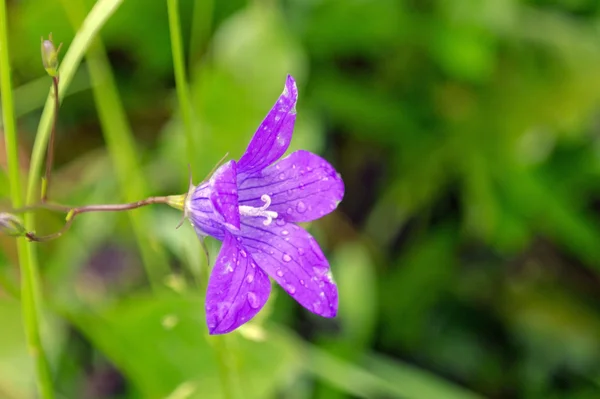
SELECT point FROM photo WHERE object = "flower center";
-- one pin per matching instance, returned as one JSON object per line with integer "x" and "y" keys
{"x": 262, "y": 211}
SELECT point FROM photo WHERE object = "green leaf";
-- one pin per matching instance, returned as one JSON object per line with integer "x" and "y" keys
{"x": 162, "y": 347}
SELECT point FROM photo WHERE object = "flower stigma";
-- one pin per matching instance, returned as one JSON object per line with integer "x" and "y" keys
{"x": 262, "y": 211}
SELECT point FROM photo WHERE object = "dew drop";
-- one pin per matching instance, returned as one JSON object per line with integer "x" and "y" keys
{"x": 229, "y": 268}
{"x": 280, "y": 222}
{"x": 279, "y": 273}
{"x": 250, "y": 278}
{"x": 301, "y": 251}
{"x": 301, "y": 207}
{"x": 253, "y": 300}
{"x": 302, "y": 282}
{"x": 281, "y": 176}
{"x": 286, "y": 258}
{"x": 322, "y": 294}
{"x": 289, "y": 211}
{"x": 243, "y": 253}
{"x": 291, "y": 289}
{"x": 285, "y": 233}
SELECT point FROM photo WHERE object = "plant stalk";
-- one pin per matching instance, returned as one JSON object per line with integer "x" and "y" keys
{"x": 29, "y": 286}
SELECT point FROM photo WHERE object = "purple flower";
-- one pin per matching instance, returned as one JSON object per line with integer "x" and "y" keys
{"x": 253, "y": 205}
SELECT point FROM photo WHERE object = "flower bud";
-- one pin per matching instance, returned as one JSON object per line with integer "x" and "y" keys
{"x": 11, "y": 225}
{"x": 50, "y": 56}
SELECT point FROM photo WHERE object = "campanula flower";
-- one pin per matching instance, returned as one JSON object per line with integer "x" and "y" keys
{"x": 252, "y": 205}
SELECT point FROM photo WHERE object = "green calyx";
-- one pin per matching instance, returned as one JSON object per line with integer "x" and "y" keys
{"x": 177, "y": 201}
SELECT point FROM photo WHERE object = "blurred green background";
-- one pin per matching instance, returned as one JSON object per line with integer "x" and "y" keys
{"x": 467, "y": 247}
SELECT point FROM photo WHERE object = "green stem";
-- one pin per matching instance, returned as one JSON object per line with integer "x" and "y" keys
{"x": 96, "y": 18}
{"x": 30, "y": 287}
{"x": 226, "y": 369}
{"x": 183, "y": 94}
{"x": 121, "y": 147}
{"x": 223, "y": 361}
{"x": 202, "y": 16}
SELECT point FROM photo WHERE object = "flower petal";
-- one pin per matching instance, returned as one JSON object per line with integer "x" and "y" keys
{"x": 224, "y": 194}
{"x": 274, "y": 134}
{"x": 293, "y": 258}
{"x": 237, "y": 289}
{"x": 302, "y": 187}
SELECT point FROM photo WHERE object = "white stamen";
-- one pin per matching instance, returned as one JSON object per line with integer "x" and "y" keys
{"x": 262, "y": 211}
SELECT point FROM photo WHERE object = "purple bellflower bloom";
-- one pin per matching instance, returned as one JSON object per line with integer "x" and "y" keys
{"x": 252, "y": 206}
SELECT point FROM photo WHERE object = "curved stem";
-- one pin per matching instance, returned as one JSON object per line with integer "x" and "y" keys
{"x": 73, "y": 212}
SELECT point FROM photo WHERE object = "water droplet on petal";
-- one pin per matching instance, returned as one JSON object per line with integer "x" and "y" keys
{"x": 279, "y": 273}
{"x": 322, "y": 294}
{"x": 280, "y": 222}
{"x": 243, "y": 253}
{"x": 302, "y": 282}
{"x": 286, "y": 258}
{"x": 289, "y": 211}
{"x": 250, "y": 278}
{"x": 301, "y": 251}
{"x": 253, "y": 300}
{"x": 228, "y": 268}
{"x": 301, "y": 207}
{"x": 281, "y": 176}
{"x": 291, "y": 289}
{"x": 285, "y": 233}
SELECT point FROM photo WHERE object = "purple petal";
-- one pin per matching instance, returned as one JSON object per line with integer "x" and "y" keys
{"x": 201, "y": 211}
{"x": 293, "y": 258}
{"x": 224, "y": 194}
{"x": 274, "y": 134}
{"x": 302, "y": 187}
{"x": 237, "y": 289}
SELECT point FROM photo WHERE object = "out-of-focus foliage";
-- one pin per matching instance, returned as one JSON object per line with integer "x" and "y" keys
{"x": 466, "y": 250}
